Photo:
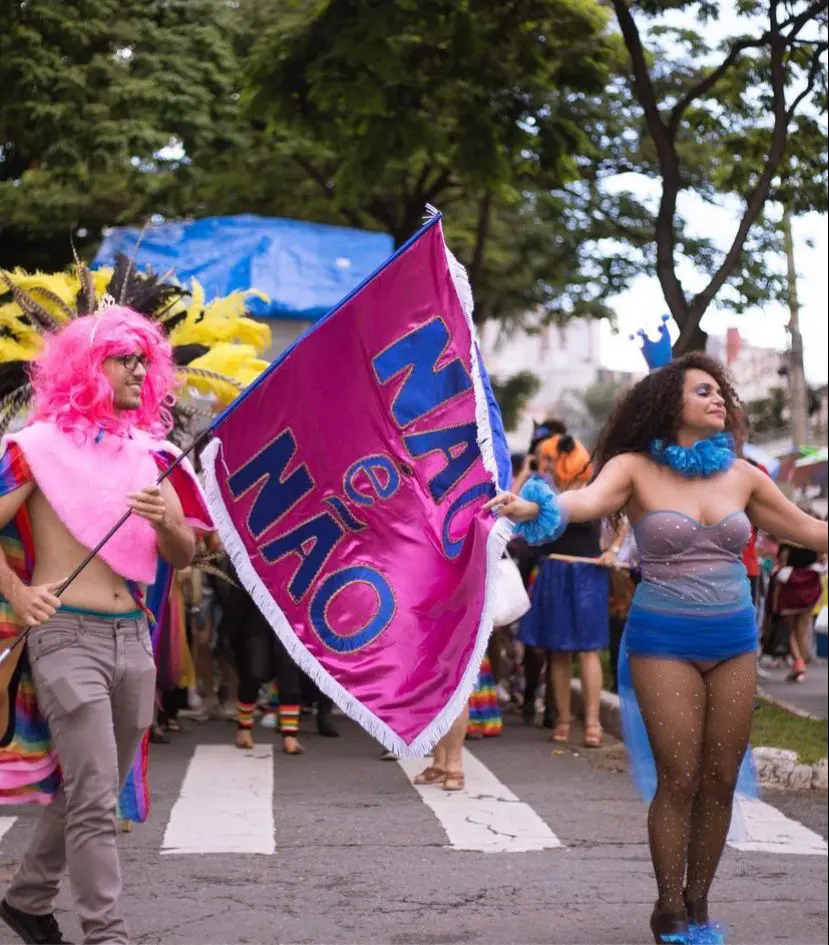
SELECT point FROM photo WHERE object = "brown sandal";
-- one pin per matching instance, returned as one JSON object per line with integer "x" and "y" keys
{"x": 430, "y": 775}
{"x": 593, "y": 736}
{"x": 454, "y": 781}
{"x": 561, "y": 733}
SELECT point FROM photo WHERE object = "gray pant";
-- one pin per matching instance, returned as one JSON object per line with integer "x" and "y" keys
{"x": 95, "y": 681}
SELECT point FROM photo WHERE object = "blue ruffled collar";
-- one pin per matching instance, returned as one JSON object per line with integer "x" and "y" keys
{"x": 705, "y": 458}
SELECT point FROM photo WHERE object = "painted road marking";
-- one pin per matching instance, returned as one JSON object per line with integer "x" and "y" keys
{"x": 225, "y": 804}
{"x": 6, "y": 824}
{"x": 485, "y": 817}
{"x": 769, "y": 831}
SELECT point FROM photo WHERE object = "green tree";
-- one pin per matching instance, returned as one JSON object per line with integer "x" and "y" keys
{"x": 772, "y": 414}
{"x": 744, "y": 118}
{"x": 512, "y": 394}
{"x": 477, "y": 107}
{"x": 769, "y": 414}
{"x": 102, "y": 106}
{"x": 410, "y": 103}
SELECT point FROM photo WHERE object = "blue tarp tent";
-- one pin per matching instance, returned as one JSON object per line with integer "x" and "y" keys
{"x": 305, "y": 268}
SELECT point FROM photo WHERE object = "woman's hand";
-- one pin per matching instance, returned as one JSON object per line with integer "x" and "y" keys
{"x": 513, "y": 507}
{"x": 608, "y": 559}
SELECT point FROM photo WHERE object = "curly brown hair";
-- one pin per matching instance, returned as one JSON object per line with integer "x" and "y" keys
{"x": 652, "y": 409}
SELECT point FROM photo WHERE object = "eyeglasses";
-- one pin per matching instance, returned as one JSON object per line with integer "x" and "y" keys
{"x": 132, "y": 361}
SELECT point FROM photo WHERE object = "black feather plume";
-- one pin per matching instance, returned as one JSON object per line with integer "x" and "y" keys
{"x": 143, "y": 292}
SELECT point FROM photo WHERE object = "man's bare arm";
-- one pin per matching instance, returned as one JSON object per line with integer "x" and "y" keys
{"x": 33, "y": 605}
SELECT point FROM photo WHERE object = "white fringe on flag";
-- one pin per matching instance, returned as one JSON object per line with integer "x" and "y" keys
{"x": 501, "y": 531}
{"x": 496, "y": 544}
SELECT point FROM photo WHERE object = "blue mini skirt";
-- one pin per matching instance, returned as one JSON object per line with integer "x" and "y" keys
{"x": 693, "y": 633}
{"x": 570, "y": 608}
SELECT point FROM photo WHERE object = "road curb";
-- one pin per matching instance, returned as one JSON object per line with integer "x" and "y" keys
{"x": 776, "y": 767}
{"x": 786, "y": 706}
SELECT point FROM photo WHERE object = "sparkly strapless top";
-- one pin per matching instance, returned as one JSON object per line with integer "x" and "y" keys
{"x": 686, "y": 564}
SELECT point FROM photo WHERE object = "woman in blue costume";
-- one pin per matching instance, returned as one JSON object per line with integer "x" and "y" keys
{"x": 668, "y": 459}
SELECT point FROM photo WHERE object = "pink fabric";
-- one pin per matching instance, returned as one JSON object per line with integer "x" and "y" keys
{"x": 36, "y": 797}
{"x": 188, "y": 488}
{"x": 87, "y": 483}
{"x": 327, "y": 393}
{"x": 21, "y": 773}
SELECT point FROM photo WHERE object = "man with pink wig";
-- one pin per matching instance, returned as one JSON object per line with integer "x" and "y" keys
{"x": 103, "y": 389}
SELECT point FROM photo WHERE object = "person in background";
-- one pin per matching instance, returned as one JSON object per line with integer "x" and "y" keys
{"x": 570, "y": 600}
{"x": 485, "y": 720}
{"x": 527, "y": 558}
{"x": 796, "y": 590}
{"x": 751, "y": 559}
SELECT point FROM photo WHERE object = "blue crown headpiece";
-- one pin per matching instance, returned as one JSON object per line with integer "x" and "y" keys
{"x": 657, "y": 353}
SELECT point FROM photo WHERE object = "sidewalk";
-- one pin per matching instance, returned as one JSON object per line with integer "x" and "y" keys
{"x": 812, "y": 695}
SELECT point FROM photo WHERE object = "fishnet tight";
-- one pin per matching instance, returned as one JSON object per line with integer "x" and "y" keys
{"x": 698, "y": 720}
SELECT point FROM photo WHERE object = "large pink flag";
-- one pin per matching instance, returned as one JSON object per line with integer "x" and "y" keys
{"x": 347, "y": 486}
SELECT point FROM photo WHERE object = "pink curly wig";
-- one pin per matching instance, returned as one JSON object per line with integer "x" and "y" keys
{"x": 71, "y": 389}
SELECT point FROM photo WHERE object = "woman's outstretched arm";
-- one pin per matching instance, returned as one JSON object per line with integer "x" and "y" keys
{"x": 607, "y": 494}
{"x": 772, "y": 512}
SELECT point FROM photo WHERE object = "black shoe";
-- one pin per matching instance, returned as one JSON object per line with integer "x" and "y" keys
{"x": 325, "y": 725}
{"x": 33, "y": 929}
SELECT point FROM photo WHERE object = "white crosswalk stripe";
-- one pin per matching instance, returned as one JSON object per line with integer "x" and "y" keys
{"x": 769, "y": 831}
{"x": 225, "y": 805}
{"x": 6, "y": 823}
{"x": 486, "y": 816}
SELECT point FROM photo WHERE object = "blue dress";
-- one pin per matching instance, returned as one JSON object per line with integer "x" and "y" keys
{"x": 570, "y": 601}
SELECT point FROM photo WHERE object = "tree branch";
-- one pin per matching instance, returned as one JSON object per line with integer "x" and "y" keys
{"x": 704, "y": 86}
{"x": 798, "y": 22}
{"x": 383, "y": 212}
{"x": 637, "y": 237}
{"x": 668, "y": 166}
{"x": 756, "y": 199}
{"x": 319, "y": 178}
{"x": 481, "y": 234}
{"x": 437, "y": 186}
{"x": 814, "y": 68}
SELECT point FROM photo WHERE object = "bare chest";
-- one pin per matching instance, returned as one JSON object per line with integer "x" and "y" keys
{"x": 707, "y": 501}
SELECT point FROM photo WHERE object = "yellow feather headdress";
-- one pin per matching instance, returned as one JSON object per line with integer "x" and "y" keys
{"x": 216, "y": 345}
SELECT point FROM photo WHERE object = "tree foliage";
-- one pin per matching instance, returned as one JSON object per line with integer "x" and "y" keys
{"x": 476, "y": 107}
{"x": 424, "y": 102}
{"x": 103, "y": 106}
{"x": 742, "y": 118}
{"x": 769, "y": 415}
{"x": 519, "y": 119}
{"x": 772, "y": 414}
{"x": 512, "y": 395}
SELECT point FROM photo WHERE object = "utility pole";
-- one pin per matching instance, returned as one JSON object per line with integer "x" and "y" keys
{"x": 798, "y": 400}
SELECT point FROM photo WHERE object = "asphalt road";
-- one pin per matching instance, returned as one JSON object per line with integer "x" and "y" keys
{"x": 362, "y": 859}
